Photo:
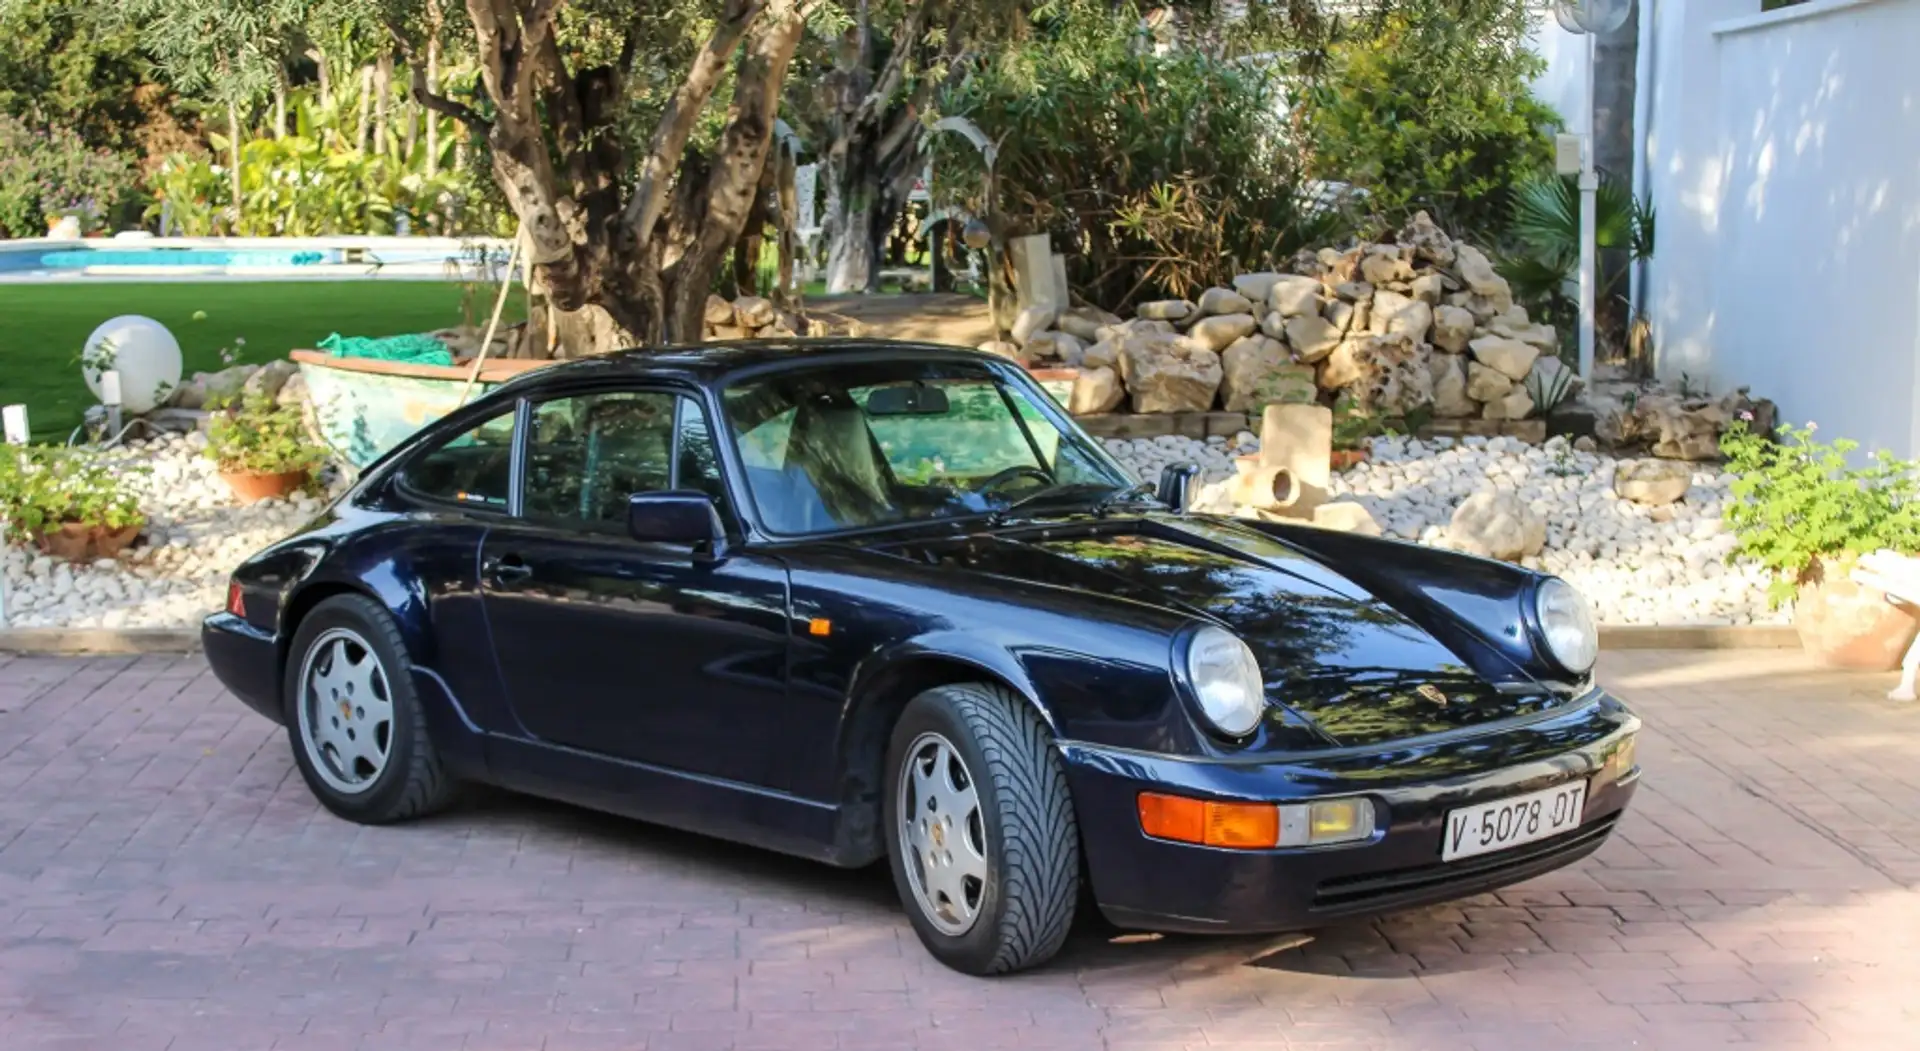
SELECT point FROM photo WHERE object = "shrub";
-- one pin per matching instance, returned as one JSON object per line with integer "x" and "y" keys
{"x": 1544, "y": 232}
{"x": 48, "y": 172}
{"x": 258, "y": 436}
{"x": 1428, "y": 107}
{"x": 1796, "y": 503}
{"x": 1153, "y": 172}
{"x": 42, "y": 487}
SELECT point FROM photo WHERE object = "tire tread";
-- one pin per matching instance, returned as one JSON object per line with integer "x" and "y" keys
{"x": 1039, "y": 834}
{"x": 428, "y": 787}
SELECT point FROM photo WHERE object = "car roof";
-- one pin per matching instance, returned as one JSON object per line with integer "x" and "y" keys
{"x": 718, "y": 363}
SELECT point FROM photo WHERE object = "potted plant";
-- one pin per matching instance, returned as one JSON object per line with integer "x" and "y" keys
{"x": 262, "y": 447}
{"x": 68, "y": 502}
{"x": 1352, "y": 428}
{"x": 1804, "y": 512}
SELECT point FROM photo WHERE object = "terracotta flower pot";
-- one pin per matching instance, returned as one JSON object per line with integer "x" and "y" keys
{"x": 69, "y": 541}
{"x": 77, "y": 542}
{"x": 1852, "y": 626}
{"x": 108, "y": 543}
{"x": 1345, "y": 458}
{"x": 252, "y": 487}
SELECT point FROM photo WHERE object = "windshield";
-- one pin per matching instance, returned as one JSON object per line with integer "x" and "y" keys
{"x": 851, "y": 446}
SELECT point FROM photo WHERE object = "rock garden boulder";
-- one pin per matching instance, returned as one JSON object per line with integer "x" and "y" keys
{"x": 1224, "y": 301}
{"x": 1293, "y": 295}
{"x": 1221, "y": 330}
{"x": 1169, "y": 373}
{"x": 1164, "y": 310}
{"x": 1654, "y": 483}
{"x": 1497, "y": 525}
{"x": 1247, "y": 367}
{"x": 1510, "y": 357}
{"x": 1095, "y": 390}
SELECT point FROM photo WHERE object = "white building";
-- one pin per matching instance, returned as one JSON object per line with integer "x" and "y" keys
{"x": 1781, "y": 151}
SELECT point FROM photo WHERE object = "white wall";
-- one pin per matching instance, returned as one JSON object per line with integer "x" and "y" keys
{"x": 1563, "y": 84}
{"x": 1818, "y": 261}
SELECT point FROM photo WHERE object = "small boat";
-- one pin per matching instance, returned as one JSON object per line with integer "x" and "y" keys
{"x": 365, "y": 406}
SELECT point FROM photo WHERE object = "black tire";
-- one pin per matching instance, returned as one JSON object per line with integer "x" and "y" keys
{"x": 1027, "y": 904}
{"x": 413, "y": 782}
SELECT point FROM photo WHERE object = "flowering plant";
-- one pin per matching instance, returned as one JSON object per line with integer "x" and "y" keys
{"x": 49, "y": 172}
{"x": 43, "y": 487}
{"x": 258, "y": 436}
{"x": 1797, "y": 503}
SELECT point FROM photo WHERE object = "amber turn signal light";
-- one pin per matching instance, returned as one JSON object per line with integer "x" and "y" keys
{"x": 1243, "y": 826}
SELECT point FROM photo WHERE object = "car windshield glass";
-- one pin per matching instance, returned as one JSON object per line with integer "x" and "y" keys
{"x": 870, "y": 444}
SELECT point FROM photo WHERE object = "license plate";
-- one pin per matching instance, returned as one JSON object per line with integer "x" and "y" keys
{"x": 1510, "y": 822}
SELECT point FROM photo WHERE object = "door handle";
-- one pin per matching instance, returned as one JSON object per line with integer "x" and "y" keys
{"x": 506, "y": 570}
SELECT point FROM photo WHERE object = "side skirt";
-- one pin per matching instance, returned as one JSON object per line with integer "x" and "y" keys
{"x": 711, "y": 806}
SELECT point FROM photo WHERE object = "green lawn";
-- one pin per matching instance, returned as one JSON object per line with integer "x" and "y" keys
{"x": 42, "y": 327}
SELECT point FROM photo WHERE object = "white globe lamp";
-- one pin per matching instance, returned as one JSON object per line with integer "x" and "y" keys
{"x": 142, "y": 351}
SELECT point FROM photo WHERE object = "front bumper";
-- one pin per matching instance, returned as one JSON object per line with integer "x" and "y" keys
{"x": 1155, "y": 884}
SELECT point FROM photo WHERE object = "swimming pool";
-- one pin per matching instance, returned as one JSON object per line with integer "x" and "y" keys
{"x": 252, "y": 258}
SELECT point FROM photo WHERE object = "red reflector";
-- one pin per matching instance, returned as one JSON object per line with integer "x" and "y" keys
{"x": 236, "y": 602}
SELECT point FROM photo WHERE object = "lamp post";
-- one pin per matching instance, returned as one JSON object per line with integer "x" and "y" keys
{"x": 1591, "y": 19}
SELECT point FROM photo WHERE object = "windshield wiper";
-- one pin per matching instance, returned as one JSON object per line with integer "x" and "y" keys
{"x": 1111, "y": 497}
{"x": 1123, "y": 495}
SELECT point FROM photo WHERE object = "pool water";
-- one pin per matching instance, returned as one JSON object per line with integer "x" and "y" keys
{"x": 57, "y": 260}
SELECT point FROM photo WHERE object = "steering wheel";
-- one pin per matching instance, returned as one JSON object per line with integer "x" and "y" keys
{"x": 1008, "y": 474}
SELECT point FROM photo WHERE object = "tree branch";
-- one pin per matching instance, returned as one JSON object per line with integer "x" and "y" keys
{"x": 896, "y": 68}
{"x": 440, "y": 103}
{"x": 670, "y": 136}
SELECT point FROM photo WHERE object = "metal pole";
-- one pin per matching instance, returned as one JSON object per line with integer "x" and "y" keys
{"x": 1589, "y": 183}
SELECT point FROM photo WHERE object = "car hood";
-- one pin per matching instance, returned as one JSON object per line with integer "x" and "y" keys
{"x": 1337, "y": 655}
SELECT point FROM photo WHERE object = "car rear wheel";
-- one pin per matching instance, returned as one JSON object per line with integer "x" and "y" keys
{"x": 981, "y": 832}
{"x": 356, "y": 726}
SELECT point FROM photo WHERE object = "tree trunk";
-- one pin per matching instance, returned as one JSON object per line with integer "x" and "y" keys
{"x": 280, "y": 102}
{"x": 433, "y": 84}
{"x": 233, "y": 159}
{"x": 746, "y": 251}
{"x": 363, "y": 124}
{"x": 382, "y": 90}
{"x": 852, "y": 262}
{"x": 634, "y": 272}
{"x": 1615, "y": 56}
{"x": 787, "y": 202}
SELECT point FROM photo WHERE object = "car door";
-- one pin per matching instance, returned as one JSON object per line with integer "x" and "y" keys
{"x": 644, "y": 652}
{"x": 452, "y": 491}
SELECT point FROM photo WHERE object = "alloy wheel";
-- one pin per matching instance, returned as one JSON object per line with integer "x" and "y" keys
{"x": 942, "y": 834}
{"x": 346, "y": 711}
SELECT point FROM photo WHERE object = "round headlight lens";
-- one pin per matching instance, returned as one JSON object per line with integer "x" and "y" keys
{"x": 1567, "y": 625}
{"x": 1226, "y": 681}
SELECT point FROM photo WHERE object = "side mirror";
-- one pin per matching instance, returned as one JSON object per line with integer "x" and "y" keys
{"x": 1175, "y": 478}
{"x": 680, "y": 516}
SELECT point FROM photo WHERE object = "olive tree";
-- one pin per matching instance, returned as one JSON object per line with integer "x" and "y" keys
{"x": 626, "y": 138}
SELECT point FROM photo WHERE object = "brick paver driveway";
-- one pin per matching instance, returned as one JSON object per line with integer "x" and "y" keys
{"x": 167, "y": 882}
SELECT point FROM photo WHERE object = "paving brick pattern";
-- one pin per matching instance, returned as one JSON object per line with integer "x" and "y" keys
{"x": 166, "y": 882}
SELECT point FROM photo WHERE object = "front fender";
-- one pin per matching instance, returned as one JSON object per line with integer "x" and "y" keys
{"x": 991, "y": 657}
{"x": 1478, "y": 607}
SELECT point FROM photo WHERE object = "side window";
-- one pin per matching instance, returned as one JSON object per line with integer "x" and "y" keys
{"x": 473, "y": 467}
{"x": 588, "y": 453}
{"x": 699, "y": 462}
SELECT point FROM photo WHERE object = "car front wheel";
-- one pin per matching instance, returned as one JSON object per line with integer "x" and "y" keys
{"x": 356, "y": 726}
{"x": 983, "y": 844}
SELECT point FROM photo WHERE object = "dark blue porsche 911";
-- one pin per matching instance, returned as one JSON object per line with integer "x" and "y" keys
{"x": 860, "y": 601}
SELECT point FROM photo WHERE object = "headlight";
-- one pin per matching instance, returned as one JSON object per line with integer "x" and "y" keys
{"x": 1225, "y": 680}
{"x": 1566, "y": 625}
